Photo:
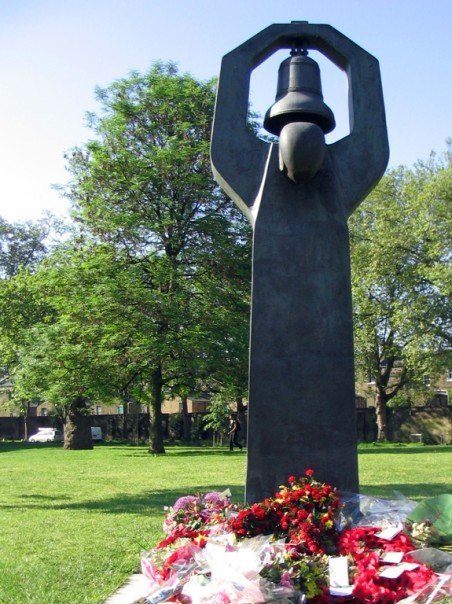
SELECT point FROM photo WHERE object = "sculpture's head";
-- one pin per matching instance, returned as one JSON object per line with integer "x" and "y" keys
{"x": 300, "y": 117}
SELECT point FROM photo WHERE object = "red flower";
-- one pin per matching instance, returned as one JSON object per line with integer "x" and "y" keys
{"x": 360, "y": 540}
{"x": 303, "y": 515}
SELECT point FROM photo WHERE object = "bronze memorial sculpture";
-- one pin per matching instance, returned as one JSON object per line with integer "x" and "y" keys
{"x": 298, "y": 194}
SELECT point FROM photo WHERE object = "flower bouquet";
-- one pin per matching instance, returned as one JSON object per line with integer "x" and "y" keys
{"x": 294, "y": 547}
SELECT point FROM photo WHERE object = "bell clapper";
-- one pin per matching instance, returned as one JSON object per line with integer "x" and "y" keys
{"x": 301, "y": 150}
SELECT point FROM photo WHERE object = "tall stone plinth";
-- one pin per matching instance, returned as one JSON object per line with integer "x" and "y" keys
{"x": 301, "y": 388}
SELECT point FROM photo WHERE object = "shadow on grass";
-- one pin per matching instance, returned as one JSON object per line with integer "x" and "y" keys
{"x": 45, "y": 497}
{"x": 416, "y": 492}
{"x": 142, "y": 504}
{"x": 149, "y": 503}
{"x": 189, "y": 452}
{"x": 12, "y": 446}
{"x": 405, "y": 449}
{"x": 180, "y": 450}
{"x": 19, "y": 445}
{"x": 191, "y": 449}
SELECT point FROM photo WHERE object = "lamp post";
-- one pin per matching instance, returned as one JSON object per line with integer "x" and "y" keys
{"x": 298, "y": 194}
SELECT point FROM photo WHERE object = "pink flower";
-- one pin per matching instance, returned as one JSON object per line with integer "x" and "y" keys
{"x": 221, "y": 598}
{"x": 151, "y": 571}
{"x": 185, "y": 503}
{"x": 285, "y": 580}
{"x": 214, "y": 499}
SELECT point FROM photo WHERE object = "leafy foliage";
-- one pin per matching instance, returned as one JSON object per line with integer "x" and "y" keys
{"x": 401, "y": 251}
{"x": 143, "y": 189}
{"x": 25, "y": 244}
{"x": 216, "y": 419}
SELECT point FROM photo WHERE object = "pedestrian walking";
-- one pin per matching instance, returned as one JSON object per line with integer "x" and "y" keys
{"x": 234, "y": 429}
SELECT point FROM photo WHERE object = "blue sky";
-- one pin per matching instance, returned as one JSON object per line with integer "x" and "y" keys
{"x": 54, "y": 53}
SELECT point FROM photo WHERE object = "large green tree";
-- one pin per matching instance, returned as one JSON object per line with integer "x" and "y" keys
{"x": 85, "y": 347}
{"x": 401, "y": 274}
{"x": 143, "y": 186}
{"x": 42, "y": 321}
{"x": 20, "y": 309}
{"x": 22, "y": 247}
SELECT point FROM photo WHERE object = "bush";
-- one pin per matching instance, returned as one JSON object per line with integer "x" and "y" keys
{"x": 197, "y": 428}
{"x": 175, "y": 426}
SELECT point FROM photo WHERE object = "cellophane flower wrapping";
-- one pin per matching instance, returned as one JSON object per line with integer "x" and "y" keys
{"x": 278, "y": 550}
{"x": 364, "y": 510}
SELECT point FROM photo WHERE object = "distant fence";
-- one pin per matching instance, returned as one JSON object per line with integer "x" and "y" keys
{"x": 434, "y": 424}
{"x": 133, "y": 427}
{"x": 13, "y": 428}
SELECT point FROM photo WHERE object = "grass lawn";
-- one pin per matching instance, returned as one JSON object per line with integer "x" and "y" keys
{"x": 73, "y": 523}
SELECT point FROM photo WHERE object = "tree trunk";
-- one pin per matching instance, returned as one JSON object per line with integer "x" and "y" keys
{"x": 242, "y": 418}
{"x": 136, "y": 424}
{"x": 380, "y": 408}
{"x": 185, "y": 420}
{"x": 77, "y": 427}
{"x": 26, "y": 417}
{"x": 125, "y": 427}
{"x": 133, "y": 421}
{"x": 155, "y": 411}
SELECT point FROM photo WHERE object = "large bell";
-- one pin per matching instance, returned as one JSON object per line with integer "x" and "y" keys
{"x": 299, "y": 96}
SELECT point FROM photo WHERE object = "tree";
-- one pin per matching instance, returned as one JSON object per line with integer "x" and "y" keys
{"x": 401, "y": 275}
{"x": 144, "y": 187}
{"x": 22, "y": 247}
{"x": 216, "y": 419}
{"x": 24, "y": 244}
{"x": 67, "y": 331}
{"x": 221, "y": 367}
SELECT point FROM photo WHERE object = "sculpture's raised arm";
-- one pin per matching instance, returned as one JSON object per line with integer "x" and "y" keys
{"x": 238, "y": 156}
{"x": 362, "y": 156}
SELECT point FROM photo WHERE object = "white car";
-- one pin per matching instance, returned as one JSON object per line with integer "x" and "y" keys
{"x": 46, "y": 435}
{"x": 96, "y": 433}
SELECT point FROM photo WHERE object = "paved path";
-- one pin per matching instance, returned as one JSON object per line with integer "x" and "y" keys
{"x": 130, "y": 592}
